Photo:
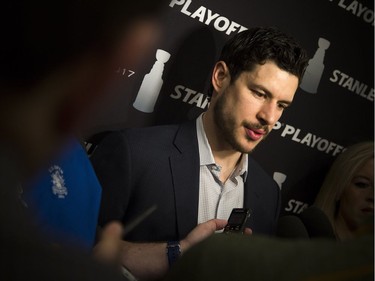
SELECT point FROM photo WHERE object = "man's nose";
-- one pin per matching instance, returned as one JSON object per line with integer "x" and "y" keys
{"x": 269, "y": 113}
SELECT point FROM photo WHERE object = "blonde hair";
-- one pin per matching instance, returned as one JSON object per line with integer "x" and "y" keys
{"x": 340, "y": 175}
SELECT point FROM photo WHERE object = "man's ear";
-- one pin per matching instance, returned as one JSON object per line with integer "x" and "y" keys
{"x": 220, "y": 76}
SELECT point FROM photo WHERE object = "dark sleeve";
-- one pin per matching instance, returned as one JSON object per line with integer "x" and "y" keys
{"x": 264, "y": 197}
{"x": 274, "y": 205}
{"x": 268, "y": 214}
{"x": 112, "y": 165}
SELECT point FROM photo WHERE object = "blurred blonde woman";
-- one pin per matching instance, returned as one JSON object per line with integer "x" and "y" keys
{"x": 347, "y": 193}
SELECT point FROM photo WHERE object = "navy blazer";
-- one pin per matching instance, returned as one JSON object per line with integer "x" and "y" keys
{"x": 138, "y": 168}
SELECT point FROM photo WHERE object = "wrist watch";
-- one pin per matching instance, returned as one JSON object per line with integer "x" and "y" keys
{"x": 173, "y": 251}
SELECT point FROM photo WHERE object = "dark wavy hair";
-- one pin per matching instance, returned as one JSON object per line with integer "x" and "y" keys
{"x": 261, "y": 44}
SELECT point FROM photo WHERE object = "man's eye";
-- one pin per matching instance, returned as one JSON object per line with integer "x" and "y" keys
{"x": 283, "y": 106}
{"x": 258, "y": 94}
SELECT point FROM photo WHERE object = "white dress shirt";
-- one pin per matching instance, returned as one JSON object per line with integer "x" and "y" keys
{"x": 217, "y": 199}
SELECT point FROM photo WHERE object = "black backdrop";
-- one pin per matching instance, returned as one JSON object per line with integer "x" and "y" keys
{"x": 333, "y": 108}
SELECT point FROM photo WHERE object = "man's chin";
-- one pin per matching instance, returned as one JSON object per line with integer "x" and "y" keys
{"x": 246, "y": 148}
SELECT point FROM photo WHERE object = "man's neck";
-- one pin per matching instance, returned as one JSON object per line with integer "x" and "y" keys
{"x": 223, "y": 153}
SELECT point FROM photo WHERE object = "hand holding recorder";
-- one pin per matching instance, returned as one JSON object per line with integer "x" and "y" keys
{"x": 237, "y": 221}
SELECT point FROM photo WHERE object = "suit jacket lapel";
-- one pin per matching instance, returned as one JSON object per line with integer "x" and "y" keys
{"x": 185, "y": 175}
{"x": 251, "y": 192}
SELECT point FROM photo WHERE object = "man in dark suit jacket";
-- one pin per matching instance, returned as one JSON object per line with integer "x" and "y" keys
{"x": 168, "y": 176}
{"x": 197, "y": 172}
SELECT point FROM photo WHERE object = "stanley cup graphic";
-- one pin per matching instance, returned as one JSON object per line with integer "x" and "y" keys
{"x": 279, "y": 178}
{"x": 150, "y": 88}
{"x": 314, "y": 70}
